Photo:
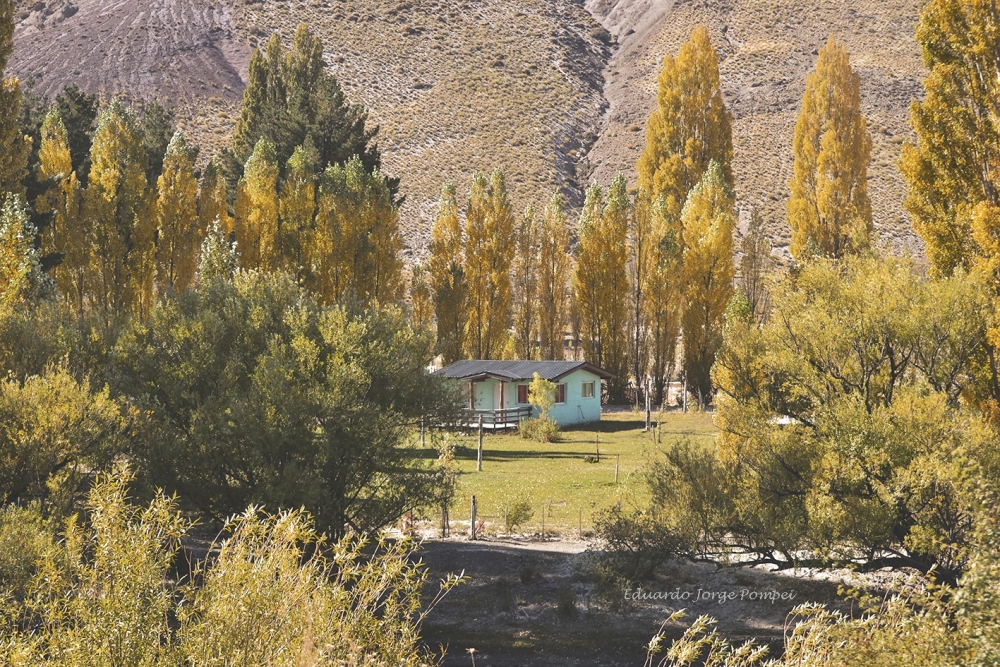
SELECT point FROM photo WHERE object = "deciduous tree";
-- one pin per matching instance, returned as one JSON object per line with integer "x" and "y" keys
{"x": 953, "y": 191}
{"x": 690, "y": 126}
{"x": 707, "y": 271}
{"x": 179, "y": 233}
{"x": 421, "y": 306}
{"x": 355, "y": 248}
{"x": 600, "y": 282}
{"x": 66, "y": 236}
{"x": 213, "y": 198}
{"x": 663, "y": 296}
{"x": 829, "y": 211}
{"x": 489, "y": 234}
{"x": 256, "y": 220}
{"x": 553, "y": 279}
{"x": 117, "y": 210}
{"x": 298, "y": 213}
{"x": 524, "y": 286}
{"x": 447, "y": 276}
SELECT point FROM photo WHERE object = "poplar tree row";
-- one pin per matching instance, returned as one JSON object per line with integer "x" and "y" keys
{"x": 299, "y": 191}
{"x": 655, "y": 268}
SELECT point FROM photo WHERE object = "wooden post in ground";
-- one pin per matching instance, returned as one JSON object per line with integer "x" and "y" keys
{"x": 543, "y": 522}
{"x": 579, "y": 526}
{"x": 423, "y": 442}
{"x": 479, "y": 455}
{"x": 685, "y": 397}
{"x": 598, "y": 447}
{"x": 617, "y": 456}
{"x": 649, "y": 422}
{"x": 472, "y": 525}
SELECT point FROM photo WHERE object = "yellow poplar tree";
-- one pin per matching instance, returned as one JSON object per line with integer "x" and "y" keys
{"x": 829, "y": 211}
{"x": 14, "y": 146}
{"x": 421, "y": 306}
{"x": 553, "y": 279}
{"x": 117, "y": 210}
{"x": 951, "y": 171}
{"x": 690, "y": 126}
{"x": 298, "y": 212}
{"x": 663, "y": 300}
{"x": 256, "y": 221}
{"x": 525, "y": 286}
{"x": 354, "y": 252}
{"x": 601, "y": 285}
{"x": 488, "y": 255}
{"x": 640, "y": 256}
{"x": 213, "y": 199}
{"x": 67, "y": 234}
{"x": 179, "y": 238}
{"x": 447, "y": 276}
{"x": 953, "y": 189}
{"x": 707, "y": 224}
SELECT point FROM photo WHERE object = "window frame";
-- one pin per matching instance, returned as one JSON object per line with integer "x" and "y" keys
{"x": 561, "y": 390}
{"x": 583, "y": 389}
{"x": 524, "y": 388}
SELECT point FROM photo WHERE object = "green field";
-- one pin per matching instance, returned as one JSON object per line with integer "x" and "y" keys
{"x": 564, "y": 477}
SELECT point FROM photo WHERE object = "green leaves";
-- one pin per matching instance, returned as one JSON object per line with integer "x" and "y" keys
{"x": 259, "y": 395}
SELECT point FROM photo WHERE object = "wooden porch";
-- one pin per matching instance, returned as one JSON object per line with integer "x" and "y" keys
{"x": 502, "y": 418}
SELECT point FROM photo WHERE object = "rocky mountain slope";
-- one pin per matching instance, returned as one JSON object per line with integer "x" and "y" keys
{"x": 555, "y": 91}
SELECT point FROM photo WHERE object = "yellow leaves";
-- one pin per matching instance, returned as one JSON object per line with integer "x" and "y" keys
{"x": 297, "y": 209}
{"x": 353, "y": 252}
{"x": 488, "y": 257}
{"x": 707, "y": 225}
{"x": 600, "y": 281}
{"x": 690, "y": 127}
{"x": 256, "y": 223}
{"x": 447, "y": 276}
{"x": 180, "y": 234}
{"x": 829, "y": 210}
{"x": 553, "y": 270}
{"x": 116, "y": 207}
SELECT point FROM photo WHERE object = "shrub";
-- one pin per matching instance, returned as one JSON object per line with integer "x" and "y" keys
{"x": 516, "y": 509}
{"x": 539, "y": 430}
{"x": 273, "y": 594}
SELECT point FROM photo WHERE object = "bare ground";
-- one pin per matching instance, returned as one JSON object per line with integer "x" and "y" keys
{"x": 529, "y": 602}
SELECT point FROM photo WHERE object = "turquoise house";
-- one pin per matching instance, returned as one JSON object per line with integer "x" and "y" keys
{"x": 497, "y": 391}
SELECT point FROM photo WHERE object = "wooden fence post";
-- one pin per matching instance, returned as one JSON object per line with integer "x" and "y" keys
{"x": 479, "y": 455}
{"x": 617, "y": 456}
{"x": 472, "y": 525}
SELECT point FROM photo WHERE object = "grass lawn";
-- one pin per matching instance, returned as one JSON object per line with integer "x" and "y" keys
{"x": 562, "y": 477}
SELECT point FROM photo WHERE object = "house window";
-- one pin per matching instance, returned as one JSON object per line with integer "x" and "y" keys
{"x": 588, "y": 390}
{"x": 560, "y": 393}
{"x": 522, "y": 393}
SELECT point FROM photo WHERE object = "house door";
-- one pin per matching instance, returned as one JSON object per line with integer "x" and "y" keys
{"x": 498, "y": 396}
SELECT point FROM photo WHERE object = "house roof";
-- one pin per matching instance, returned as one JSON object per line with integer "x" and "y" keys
{"x": 511, "y": 371}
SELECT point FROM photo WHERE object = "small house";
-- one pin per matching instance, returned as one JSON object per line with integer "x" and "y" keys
{"x": 497, "y": 391}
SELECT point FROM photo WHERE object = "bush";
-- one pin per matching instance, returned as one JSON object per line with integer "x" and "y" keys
{"x": 539, "y": 430}
{"x": 257, "y": 394}
{"x": 515, "y": 508}
{"x": 273, "y": 594}
{"x": 24, "y": 538}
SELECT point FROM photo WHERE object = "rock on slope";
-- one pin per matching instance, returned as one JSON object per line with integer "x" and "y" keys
{"x": 767, "y": 47}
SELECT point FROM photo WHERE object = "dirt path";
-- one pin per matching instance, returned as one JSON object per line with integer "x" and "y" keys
{"x": 533, "y": 603}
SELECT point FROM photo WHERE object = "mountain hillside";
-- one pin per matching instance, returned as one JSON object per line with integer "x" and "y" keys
{"x": 555, "y": 91}
{"x": 767, "y": 47}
